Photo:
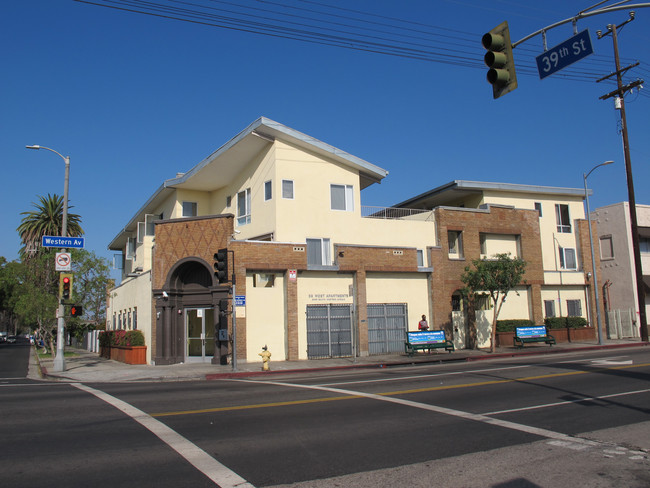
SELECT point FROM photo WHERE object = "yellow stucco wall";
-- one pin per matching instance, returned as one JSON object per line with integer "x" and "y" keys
{"x": 401, "y": 288}
{"x": 265, "y": 319}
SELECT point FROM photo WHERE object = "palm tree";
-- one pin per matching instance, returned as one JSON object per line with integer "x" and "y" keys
{"x": 46, "y": 220}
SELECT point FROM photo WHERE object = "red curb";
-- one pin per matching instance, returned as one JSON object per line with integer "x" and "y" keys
{"x": 448, "y": 358}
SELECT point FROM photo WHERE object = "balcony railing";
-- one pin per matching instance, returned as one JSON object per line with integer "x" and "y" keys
{"x": 393, "y": 213}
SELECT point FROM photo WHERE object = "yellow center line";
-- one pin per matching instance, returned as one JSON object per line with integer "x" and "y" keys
{"x": 392, "y": 393}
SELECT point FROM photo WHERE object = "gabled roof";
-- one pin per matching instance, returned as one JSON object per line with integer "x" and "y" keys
{"x": 221, "y": 167}
{"x": 457, "y": 189}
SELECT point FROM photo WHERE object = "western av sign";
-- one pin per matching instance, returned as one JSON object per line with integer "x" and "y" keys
{"x": 564, "y": 54}
{"x": 72, "y": 242}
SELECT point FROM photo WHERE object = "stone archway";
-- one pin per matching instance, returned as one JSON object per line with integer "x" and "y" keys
{"x": 190, "y": 285}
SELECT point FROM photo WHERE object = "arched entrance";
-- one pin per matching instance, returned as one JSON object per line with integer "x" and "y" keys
{"x": 187, "y": 315}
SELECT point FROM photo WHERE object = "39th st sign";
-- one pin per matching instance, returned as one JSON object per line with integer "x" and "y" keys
{"x": 564, "y": 54}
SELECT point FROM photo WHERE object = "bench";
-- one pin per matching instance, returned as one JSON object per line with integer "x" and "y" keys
{"x": 535, "y": 333}
{"x": 427, "y": 340}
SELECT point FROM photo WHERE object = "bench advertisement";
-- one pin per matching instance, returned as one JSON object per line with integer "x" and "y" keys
{"x": 428, "y": 337}
{"x": 531, "y": 332}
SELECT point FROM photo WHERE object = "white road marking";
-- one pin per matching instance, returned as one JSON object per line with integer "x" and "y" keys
{"x": 196, "y": 456}
{"x": 447, "y": 411}
{"x": 415, "y": 377}
{"x": 566, "y": 402}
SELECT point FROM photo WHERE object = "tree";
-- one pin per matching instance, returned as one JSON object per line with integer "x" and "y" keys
{"x": 91, "y": 281}
{"x": 34, "y": 297}
{"x": 46, "y": 220}
{"x": 494, "y": 277}
{"x": 8, "y": 284}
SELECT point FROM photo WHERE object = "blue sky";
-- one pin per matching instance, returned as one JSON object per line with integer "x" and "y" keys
{"x": 134, "y": 99}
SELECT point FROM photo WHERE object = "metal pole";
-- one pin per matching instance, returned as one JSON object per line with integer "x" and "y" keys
{"x": 640, "y": 286}
{"x": 593, "y": 257}
{"x": 234, "y": 327}
{"x": 59, "y": 359}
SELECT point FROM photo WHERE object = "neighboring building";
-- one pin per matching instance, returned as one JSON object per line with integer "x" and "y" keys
{"x": 617, "y": 265}
{"x": 318, "y": 274}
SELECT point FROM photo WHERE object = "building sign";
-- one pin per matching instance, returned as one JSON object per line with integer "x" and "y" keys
{"x": 328, "y": 297}
{"x": 293, "y": 275}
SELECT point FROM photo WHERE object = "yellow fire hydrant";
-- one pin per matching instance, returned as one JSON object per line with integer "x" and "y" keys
{"x": 266, "y": 358}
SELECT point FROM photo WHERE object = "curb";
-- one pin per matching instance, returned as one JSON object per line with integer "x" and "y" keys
{"x": 482, "y": 357}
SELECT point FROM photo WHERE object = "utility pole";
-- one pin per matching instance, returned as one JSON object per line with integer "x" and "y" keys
{"x": 619, "y": 93}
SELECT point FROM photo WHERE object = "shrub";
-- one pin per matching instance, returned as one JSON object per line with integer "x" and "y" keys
{"x": 509, "y": 325}
{"x": 110, "y": 338}
{"x": 568, "y": 322}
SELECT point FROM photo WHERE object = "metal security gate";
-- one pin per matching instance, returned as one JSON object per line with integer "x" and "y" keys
{"x": 386, "y": 327}
{"x": 329, "y": 331}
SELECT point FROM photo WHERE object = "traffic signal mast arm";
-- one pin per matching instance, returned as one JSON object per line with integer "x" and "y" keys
{"x": 580, "y": 15}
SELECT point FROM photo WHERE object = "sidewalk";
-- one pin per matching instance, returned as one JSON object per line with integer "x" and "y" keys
{"x": 88, "y": 367}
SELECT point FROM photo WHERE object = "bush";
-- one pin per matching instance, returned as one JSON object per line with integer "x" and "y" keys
{"x": 110, "y": 338}
{"x": 510, "y": 324}
{"x": 568, "y": 322}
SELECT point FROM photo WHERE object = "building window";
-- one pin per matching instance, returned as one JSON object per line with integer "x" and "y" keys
{"x": 287, "y": 189}
{"x": 483, "y": 243}
{"x": 228, "y": 201}
{"x": 606, "y": 248}
{"x": 563, "y": 218}
{"x": 244, "y": 207}
{"x": 318, "y": 252}
{"x": 574, "y": 308}
{"x": 263, "y": 280}
{"x": 456, "y": 303}
{"x": 268, "y": 190}
{"x": 190, "y": 209}
{"x": 644, "y": 245}
{"x": 342, "y": 197}
{"x": 420, "y": 258}
{"x": 135, "y": 318}
{"x": 538, "y": 207}
{"x": 568, "y": 258}
{"x": 455, "y": 239}
{"x": 549, "y": 308}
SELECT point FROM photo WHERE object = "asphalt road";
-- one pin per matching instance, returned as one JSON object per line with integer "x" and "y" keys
{"x": 575, "y": 418}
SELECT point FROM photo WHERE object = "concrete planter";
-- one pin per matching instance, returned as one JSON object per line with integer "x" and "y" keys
{"x": 125, "y": 354}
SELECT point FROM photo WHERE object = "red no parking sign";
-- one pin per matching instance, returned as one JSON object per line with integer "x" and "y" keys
{"x": 63, "y": 261}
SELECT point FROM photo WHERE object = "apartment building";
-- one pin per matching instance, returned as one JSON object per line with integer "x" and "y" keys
{"x": 319, "y": 275}
{"x": 620, "y": 293}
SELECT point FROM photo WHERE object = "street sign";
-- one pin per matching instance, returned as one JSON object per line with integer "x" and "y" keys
{"x": 54, "y": 241}
{"x": 564, "y": 54}
{"x": 63, "y": 261}
{"x": 240, "y": 300}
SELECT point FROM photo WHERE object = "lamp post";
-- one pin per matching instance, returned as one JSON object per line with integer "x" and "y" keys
{"x": 593, "y": 258}
{"x": 59, "y": 359}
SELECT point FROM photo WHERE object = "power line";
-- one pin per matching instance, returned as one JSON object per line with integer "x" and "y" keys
{"x": 352, "y": 29}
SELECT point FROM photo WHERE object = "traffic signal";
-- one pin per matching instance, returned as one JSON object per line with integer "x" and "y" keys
{"x": 76, "y": 311}
{"x": 221, "y": 265}
{"x": 500, "y": 60}
{"x": 65, "y": 286}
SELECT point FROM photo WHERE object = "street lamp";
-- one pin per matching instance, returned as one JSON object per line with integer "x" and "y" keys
{"x": 59, "y": 360}
{"x": 593, "y": 258}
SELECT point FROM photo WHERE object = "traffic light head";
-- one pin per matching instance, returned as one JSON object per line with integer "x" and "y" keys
{"x": 221, "y": 265}
{"x": 500, "y": 60}
{"x": 76, "y": 311}
{"x": 65, "y": 286}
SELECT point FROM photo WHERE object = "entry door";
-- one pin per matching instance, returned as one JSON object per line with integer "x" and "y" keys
{"x": 199, "y": 324}
{"x": 386, "y": 327}
{"x": 459, "y": 322}
{"x": 329, "y": 331}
